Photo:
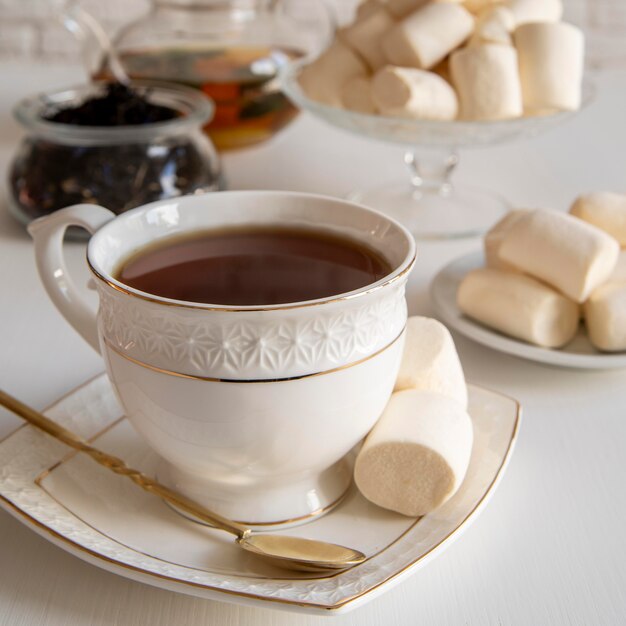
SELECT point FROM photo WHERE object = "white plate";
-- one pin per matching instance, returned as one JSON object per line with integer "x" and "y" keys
{"x": 105, "y": 520}
{"x": 579, "y": 353}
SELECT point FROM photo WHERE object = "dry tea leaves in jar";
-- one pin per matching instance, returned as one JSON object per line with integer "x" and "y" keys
{"x": 113, "y": 145}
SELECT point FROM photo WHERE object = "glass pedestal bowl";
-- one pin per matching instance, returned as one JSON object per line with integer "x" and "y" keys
{"x": 426, "y": 201}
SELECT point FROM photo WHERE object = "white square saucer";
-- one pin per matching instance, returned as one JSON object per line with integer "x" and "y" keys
{"x": 106, "y": 520}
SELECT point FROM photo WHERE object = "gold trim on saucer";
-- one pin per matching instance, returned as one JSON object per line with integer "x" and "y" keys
{"x": 161, "y": 370}
{"x": 57, "y": 401}
{"x": 251, "y": 309}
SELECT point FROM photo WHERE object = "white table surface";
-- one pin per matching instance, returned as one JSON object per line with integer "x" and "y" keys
{"x": 551, "y": 546}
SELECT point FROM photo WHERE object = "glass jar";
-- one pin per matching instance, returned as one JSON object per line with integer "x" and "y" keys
{"x": 119, "y": 167}
{"x": 233, "y": 51}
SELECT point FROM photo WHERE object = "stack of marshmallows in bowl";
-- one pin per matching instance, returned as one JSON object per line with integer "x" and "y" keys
{"x": 452, "y": 59}
{"x": 416, "y": 456}
{"x": 547, "y": 269}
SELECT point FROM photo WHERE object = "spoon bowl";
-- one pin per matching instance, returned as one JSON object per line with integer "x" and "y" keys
{"x": 299, "y": 554}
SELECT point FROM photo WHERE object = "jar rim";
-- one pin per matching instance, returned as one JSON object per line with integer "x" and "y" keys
{"x": 196, "y": 108}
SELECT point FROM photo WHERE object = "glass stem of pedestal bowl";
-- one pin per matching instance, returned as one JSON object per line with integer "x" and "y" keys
{"x": 431, "y": 170}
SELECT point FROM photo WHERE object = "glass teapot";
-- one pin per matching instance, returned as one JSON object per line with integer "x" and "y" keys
{"x": 233, "y": 51}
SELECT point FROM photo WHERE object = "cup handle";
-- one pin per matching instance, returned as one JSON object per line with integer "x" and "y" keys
{"x": 47, "y": 233}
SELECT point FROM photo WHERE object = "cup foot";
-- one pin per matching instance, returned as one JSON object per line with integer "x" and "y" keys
{"x": 273, "y": 506}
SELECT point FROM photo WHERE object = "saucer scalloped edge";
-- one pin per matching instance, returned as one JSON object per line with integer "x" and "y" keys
{"x": 107, "y": 521}
{"x": 578, "y": 354}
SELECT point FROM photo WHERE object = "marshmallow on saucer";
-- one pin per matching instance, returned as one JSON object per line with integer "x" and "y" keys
{"x": 535, "y": 10}
{"x": 427, "y": 36}
{"x": 323, "y": 79}
{"x": 494, "y": 25}
{"x": 356, "y": 95}
{"x": 364, "y": 36}
{"x": 605, "y": 210}
{"x": 417, "y": 455}
{"x": 605, "y": 317}
{"x": 495, "y": 236}
{"x": 551, "y": 62}
{"x": 563, "y": 251}
{"x": 519, "y": 306}
{"x": 487, "y": 81}
{"x": 430, "y": 361}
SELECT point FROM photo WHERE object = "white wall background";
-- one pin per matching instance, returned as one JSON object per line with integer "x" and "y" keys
{"x": 31, "y": 28}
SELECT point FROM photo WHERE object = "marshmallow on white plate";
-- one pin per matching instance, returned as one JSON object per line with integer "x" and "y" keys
{"x": 356, "y": 95}
{"x": 323, "y": 79}
{"x": 413, "y": 94}
{"x": 519, "y": 306}
{"x": 605, "y": 317}
{"x": 430, "y": 361}
{"x": 487, "y": 81}
{"x": 495, "y": 236}
{"x": 551, "y": 64}
{"x": 605, "y": 210}
{"x": 427, "y": 36}
{"x": 563, "y": 251}
{"x": 494, "y": 25}
{"x": 535, "y": 10}
{"x": 417, "y": 455}
{"x": 364, "y": 36}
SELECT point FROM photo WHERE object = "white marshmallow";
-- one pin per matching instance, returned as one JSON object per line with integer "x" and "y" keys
{"x": 323, "y": 79}
{"x": 427, "y": 36}
{"x": 551, "y": 63}
{"x": 487, "y": 81}
{"x": 563, "y": 251}
{"x": 402, "y": 8}
{"x": 495, "y": 236}
{"x": 412, "y": 93}
{"x": 364, "y": 36}
{"x": 605, "y": 317}
{"x": 536, "y": 10}
{"x": 417, "y": 455}
{"x": 356, "y": 95}
{"x": 519, "y": 306}
{"x": 494, "y": 25}
{"x": 605, "y": 210}
{"x": 430, "y": 361}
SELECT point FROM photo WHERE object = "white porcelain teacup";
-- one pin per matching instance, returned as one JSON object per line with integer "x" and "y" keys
{"x": 252, "y": 409}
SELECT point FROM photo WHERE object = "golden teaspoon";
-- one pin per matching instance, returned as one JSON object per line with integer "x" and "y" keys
{"x": 293, "y": 553}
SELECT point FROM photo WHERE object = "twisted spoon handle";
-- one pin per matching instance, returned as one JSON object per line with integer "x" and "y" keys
{"x": 118, "y": 466}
